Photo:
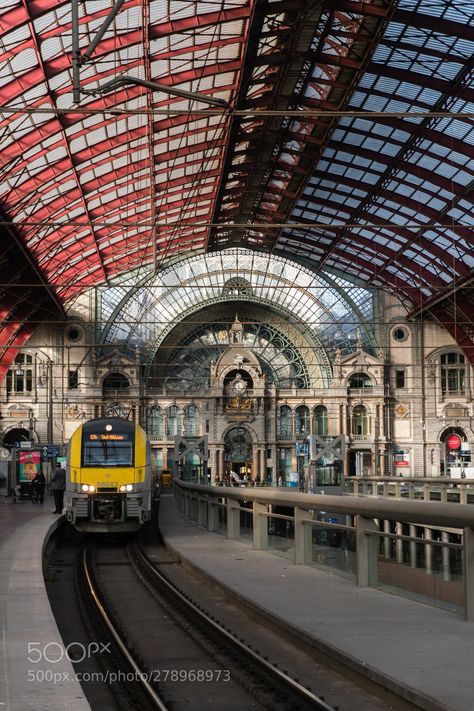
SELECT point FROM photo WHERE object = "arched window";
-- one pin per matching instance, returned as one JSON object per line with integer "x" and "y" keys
{"x": 360, "y": 380}
{"x": 115, "y": 384}
{"x": 453, "y": 374}
{"x": 285, "y": 430}
{"x": 155, "y": 422}
{"x": 20, "y": 375}
{"x": 191, "y": 421}
{"x": 320, "y": 420}
{"x": 172, "y": 421}
{"x": 359, "y": 420}
{"x": 302, "y": 421}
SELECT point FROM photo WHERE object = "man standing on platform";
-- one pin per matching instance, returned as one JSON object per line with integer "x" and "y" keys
{"x": 58, "y": 485}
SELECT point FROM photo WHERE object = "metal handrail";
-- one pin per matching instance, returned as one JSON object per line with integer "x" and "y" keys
{"x": 406, "y": 511}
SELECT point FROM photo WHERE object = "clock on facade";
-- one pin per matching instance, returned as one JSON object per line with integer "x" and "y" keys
{"x": 239, "y": 385}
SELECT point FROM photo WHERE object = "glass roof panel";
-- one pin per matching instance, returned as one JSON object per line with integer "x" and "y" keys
{"x": 409, "y": 170}
{"x": 204, "y": 56}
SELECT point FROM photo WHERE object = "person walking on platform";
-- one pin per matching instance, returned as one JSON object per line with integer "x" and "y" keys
{"x": 58, "y": 486}
{"x": 38, "y": 485}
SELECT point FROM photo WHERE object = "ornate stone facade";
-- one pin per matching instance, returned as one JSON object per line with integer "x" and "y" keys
{"x": 396, "y": 409}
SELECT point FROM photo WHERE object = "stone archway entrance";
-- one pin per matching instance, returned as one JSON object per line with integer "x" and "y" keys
{"x": 17, "y": 434}
{"x": 238, "y": 453}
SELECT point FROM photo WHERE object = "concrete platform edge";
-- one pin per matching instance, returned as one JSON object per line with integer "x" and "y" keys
{"x": 387, "y": 683}
{"x": 29, "y": 680}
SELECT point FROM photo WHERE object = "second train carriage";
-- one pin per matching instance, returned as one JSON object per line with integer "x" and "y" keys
{"x": 110, "y": 484}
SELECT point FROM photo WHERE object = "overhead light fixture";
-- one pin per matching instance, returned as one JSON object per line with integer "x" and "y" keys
{"x": 79, "y": 60}
{"x": 154, "y": 86}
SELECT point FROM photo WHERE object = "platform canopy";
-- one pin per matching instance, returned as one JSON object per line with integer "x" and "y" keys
{"x": 338, "y": 133}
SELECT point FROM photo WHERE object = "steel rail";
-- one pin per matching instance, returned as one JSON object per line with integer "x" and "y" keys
{"x": 297, "y": 688}
{"x": 140, "y": 676}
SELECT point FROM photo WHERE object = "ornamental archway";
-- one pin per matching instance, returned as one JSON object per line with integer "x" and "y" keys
{"x": 238, "y": 455}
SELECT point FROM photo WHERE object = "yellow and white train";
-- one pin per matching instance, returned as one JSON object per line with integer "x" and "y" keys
{"x": 110, "y": 485}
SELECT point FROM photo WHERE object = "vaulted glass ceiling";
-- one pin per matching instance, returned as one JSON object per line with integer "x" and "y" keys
{"x": 141, "y": 315}
{"x": 338, "y": 132}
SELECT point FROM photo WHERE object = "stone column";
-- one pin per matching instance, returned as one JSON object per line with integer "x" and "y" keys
{"x": 216, "y": 473}
{"x": 263, "y": 460}
{"x": 221, "y": 463}
{"x": 255, "y": 458}
{"x": 274, "y": 464}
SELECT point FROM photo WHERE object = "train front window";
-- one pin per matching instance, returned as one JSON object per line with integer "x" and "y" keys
{"x": 108, "y": 454}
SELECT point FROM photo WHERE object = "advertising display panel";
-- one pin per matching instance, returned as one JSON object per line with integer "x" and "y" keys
{"x": 29, "y": 464}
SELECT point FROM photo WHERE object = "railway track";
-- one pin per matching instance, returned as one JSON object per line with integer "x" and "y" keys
{"x": 209, "y": 662}
{"x": 164, "y": 651}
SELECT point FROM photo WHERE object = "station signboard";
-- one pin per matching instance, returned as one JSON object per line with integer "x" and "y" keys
{"x": 50, "y": 450}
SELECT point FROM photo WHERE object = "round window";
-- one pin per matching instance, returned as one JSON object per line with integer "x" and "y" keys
{"x": 400, "y": 334}
{"x": 73, "y": 333}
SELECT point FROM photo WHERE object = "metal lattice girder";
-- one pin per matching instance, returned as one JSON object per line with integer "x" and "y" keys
{"x": 286, "y": 52}
{"x": 96, "y": 191}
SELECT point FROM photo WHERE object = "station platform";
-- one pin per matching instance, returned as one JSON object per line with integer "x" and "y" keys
{"x": 34, "y": 672}
{"x": 421, "y": 653}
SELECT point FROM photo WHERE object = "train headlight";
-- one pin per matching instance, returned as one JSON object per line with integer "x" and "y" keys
{"x": 126, "y": 487}
{"x": 88, "y": 487}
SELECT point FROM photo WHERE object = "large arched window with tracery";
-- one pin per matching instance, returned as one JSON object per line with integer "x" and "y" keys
{"x": 189, "y": 365}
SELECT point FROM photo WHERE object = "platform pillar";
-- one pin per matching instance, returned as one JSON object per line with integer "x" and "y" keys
{"x": 260, "y": 526}
{"x": 233, "y": 519}
{"x": 367, "y": 547}
{"x": 212, "y": 515}
{"x": 428, "y": 551}
{"x": 303, "y": 538}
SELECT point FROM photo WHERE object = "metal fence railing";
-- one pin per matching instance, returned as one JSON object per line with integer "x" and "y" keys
{"x": 423, "y": 549}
